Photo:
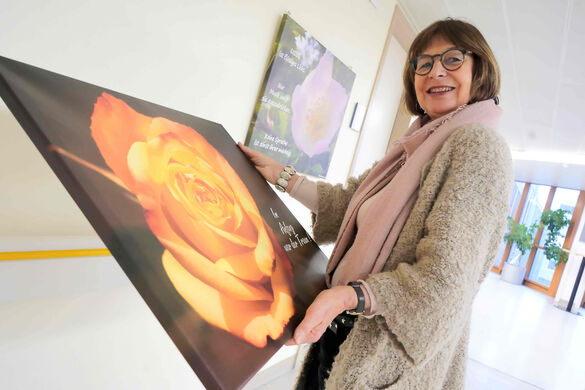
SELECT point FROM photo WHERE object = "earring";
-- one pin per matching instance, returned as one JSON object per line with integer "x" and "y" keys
{"x": 419, "y": 109}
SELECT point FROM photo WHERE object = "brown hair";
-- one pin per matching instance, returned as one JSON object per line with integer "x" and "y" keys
{"x": 486, "y": 72}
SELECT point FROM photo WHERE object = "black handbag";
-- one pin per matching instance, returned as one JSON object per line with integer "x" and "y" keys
{"x": 319, "y": 359}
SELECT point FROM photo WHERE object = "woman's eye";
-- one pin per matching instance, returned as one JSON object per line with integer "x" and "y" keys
{"x": 424, "y": 65}
{"x": 453, "y": 60}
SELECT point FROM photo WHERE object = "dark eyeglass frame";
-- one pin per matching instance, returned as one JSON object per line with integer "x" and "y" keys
{"x": 414, "y": 61}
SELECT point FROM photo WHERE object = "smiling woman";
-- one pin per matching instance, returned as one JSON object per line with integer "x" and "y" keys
{"x": 442, "y": 88}
{"x": 415, "y": 233}
{"x": 467, "y": 74}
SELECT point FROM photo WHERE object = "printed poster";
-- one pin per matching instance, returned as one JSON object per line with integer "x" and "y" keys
{"x": 302, "y": 102}
{"x": 221, "y": 262}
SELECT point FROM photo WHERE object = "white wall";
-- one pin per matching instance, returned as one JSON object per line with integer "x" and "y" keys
{"x": 203, "y": 57}
{"x": 382, "y": 109}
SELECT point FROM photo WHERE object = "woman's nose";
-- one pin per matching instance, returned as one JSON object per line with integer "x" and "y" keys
{"x": 437, "y": 70}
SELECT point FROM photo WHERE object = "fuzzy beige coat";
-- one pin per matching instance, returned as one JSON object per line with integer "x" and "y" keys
{"x": 425, "y": 291}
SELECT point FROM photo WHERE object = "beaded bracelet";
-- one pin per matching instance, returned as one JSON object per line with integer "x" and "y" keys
{"x": 286, "y": 174}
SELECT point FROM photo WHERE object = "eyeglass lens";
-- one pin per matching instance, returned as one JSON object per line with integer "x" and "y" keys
{"x": 451, "y": 60}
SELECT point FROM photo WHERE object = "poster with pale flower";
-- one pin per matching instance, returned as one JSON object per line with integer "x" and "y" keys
{"x": 214, "y": 253}
{"x": 301, "y": 103}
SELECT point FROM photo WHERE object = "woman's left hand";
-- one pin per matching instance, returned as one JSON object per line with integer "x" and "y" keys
{"x": 326, "y": 306}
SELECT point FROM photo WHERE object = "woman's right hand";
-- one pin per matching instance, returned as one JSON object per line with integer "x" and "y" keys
{"x": 267, "y": 167}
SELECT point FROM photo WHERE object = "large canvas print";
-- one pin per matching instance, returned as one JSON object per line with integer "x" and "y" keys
{"x": 218, "y": 258}
{"x": 302, "y": 101}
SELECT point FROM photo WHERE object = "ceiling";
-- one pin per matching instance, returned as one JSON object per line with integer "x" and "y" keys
{"x": 539, "y": 47}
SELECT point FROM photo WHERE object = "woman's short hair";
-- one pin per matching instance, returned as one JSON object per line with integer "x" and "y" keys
{"x": 486, "y": 72}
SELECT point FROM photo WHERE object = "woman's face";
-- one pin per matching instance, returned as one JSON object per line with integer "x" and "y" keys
{"x": 441, "y": 91}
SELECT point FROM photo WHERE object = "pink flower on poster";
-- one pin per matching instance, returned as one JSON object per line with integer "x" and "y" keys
{"x": 318, "y": 105}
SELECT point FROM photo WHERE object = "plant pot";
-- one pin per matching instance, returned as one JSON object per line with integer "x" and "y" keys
{"x": 513, "y": 273}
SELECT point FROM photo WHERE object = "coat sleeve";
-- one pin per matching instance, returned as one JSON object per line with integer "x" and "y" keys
{"x": 333, "y": 201}
{"x": 426, "y": 301}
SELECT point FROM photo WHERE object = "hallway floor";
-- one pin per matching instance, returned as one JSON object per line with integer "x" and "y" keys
{"x": 80, "y": 324}
{"x": 518, "y": 332}
{"x": 519, "y": 341}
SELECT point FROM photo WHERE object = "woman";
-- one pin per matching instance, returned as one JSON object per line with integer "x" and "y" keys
{"x": 415, "y": 235}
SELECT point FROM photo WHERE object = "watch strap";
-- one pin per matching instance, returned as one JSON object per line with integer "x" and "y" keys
{"x": 361, "y": 306}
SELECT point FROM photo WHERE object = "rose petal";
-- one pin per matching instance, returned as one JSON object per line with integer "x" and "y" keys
{"x": 115, "y": 126}
{"x": 282, "y": 287}
{"x": 206, "y": 271}
{"x": 239, "y": 265}
{"x": 200, "y": 266}
{"x": 210, "y": 241}
{"x": 251, "y": 321}
{"x": 251, "y": 210}
{"x": 147, "y": 160}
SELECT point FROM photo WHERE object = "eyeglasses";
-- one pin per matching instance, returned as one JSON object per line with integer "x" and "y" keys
{"x": 451, "y": 59}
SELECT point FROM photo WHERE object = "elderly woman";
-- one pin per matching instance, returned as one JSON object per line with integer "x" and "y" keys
{"x": 416, "y": 234}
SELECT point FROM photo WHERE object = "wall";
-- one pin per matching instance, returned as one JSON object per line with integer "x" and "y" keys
{"x": 204, "y": 57}
{"x": 384, "y": 110}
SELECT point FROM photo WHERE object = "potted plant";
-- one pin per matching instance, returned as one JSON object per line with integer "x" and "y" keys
{"x": 554, "y": 221}
{"x": 523, "y": 237}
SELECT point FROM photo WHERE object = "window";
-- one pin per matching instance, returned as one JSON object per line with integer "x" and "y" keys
{"x": 527, "y": 204}
{"x": 542, "y": 269}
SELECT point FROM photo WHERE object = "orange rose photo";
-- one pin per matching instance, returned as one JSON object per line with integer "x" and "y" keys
{"x": 202, "y": 237}
{"x": 220, "y": 255}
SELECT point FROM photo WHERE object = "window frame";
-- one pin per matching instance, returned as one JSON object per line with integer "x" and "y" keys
{"x": 571, "y": 231}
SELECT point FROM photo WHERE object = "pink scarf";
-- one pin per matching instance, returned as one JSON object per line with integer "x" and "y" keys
{"x": 396, "y": 177}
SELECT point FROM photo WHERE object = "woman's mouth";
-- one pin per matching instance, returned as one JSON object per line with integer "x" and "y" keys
{"x": 440, "y": 89}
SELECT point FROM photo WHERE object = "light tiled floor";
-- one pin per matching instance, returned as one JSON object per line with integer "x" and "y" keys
{"x": 517, "y": 331}
{"x": 481, "y": 377}
{"x": 79, "y": 324}
{"x": 519, "y": 341}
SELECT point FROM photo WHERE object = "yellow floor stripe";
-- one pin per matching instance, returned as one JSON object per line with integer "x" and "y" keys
{"x": 29, "y": 255}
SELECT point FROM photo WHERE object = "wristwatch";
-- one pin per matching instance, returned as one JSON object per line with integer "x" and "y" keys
{"x": 361, "y": 306}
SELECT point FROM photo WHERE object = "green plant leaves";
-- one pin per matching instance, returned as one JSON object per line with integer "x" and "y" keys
{"x": 554, "y": 221}
{"x": 521, "y": 235}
